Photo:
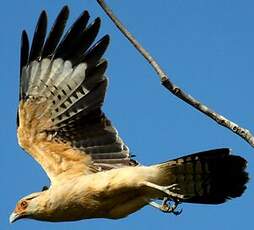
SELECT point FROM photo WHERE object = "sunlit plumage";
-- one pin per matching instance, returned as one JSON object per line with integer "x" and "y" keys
{"x": 61, "y": 125}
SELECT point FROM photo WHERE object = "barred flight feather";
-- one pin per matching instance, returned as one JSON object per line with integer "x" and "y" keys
{"x": 64, "y": 84}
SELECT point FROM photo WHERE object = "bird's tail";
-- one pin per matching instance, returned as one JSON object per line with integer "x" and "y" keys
{"x": 209, "y": 177}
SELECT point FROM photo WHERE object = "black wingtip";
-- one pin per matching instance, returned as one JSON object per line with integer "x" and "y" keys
{"x": 95, "y": 26}
{"x": 65, "y": 9}
{"x": 107, "y": 38}
{"x": 65, "y": 46}
{"x": 64, "y": 13}
{"x": 105, "y": 41}
{"x": 39, "y": 36}
{"x": 24, "y": 52}
{"x": 95, "y": 53}
{"x": 84, "y": 14}
{"x": 97, "y": 21}
{"x": 43, "y": 14}
{"x": 24, "y": 35}
{"x": 42, "y": 21}
{"x": 85, "y": 40}
{"x": 56, "y": 32}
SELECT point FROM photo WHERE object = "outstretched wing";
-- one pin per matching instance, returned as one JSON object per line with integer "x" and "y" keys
{"x": 62, "y": 88}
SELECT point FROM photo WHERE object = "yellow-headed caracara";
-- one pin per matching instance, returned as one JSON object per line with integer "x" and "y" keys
{"x": 61, "y": 125}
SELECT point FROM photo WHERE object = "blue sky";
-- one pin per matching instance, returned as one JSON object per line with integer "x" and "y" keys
{"x": 207, "y": 47}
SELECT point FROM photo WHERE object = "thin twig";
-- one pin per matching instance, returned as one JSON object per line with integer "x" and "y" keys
{"x": 168, "y": 84}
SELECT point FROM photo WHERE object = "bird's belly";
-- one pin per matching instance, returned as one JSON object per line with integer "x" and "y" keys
{"x": 125, "y": 207}
{"x": 114, "y": 207}
{"x": 102, "y": 195}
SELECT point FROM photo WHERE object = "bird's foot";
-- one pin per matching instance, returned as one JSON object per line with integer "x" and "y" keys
{"x": 170, "y": 208}
{"x": 166, "y": 206}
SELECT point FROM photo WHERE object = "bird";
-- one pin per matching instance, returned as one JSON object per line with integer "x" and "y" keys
{"x": 61, "y": 124}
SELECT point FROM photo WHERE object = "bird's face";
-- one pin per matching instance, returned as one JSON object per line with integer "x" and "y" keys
{"x": 25, "y": 207}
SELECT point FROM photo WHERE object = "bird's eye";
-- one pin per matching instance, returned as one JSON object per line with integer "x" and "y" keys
{"x": 23, "y": 204}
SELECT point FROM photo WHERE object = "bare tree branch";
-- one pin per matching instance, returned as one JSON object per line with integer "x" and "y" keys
{"x": 168, "y": 84}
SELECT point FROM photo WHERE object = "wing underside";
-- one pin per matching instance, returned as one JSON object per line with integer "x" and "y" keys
{"x": 62, "y": 89}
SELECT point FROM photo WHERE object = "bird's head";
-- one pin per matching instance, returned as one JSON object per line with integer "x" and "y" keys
{"x": 27, "y": 207}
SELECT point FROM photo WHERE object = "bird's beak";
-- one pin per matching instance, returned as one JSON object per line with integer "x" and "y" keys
{"x": 13, "y": 217}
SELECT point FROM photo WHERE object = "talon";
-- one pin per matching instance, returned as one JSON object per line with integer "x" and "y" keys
{"x": 177, "y": 213}
{"x": 171, "y": 209}
{"x": 166, "y": 207}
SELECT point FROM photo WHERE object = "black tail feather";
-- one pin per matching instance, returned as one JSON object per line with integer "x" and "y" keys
{"x": 210, "y": 177}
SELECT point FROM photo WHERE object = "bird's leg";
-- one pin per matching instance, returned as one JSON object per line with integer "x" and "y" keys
{"x": 166, "y": 207}
{"x": 168, "y": 190}
{"x": 172, "y": 195}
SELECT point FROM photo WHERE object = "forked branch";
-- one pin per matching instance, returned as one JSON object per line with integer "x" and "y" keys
{"x": 168, "y": 84}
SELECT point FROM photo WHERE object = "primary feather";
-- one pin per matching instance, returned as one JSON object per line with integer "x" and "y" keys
{"x": 62, "y": 89}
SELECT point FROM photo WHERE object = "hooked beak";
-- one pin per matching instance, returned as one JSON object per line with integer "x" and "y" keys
{"x": 13, "y": 217}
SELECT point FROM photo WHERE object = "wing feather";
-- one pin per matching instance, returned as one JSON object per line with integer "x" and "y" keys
{"x": 95, "y": 53}
{"x": 70, "y": 38}
{"x": 55, "y": 33}
{"x": 62, "y": 89}
{"x": 39, "y": 37}
{"x": 24, "y": 51}
{"x": 84, "y": 41}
